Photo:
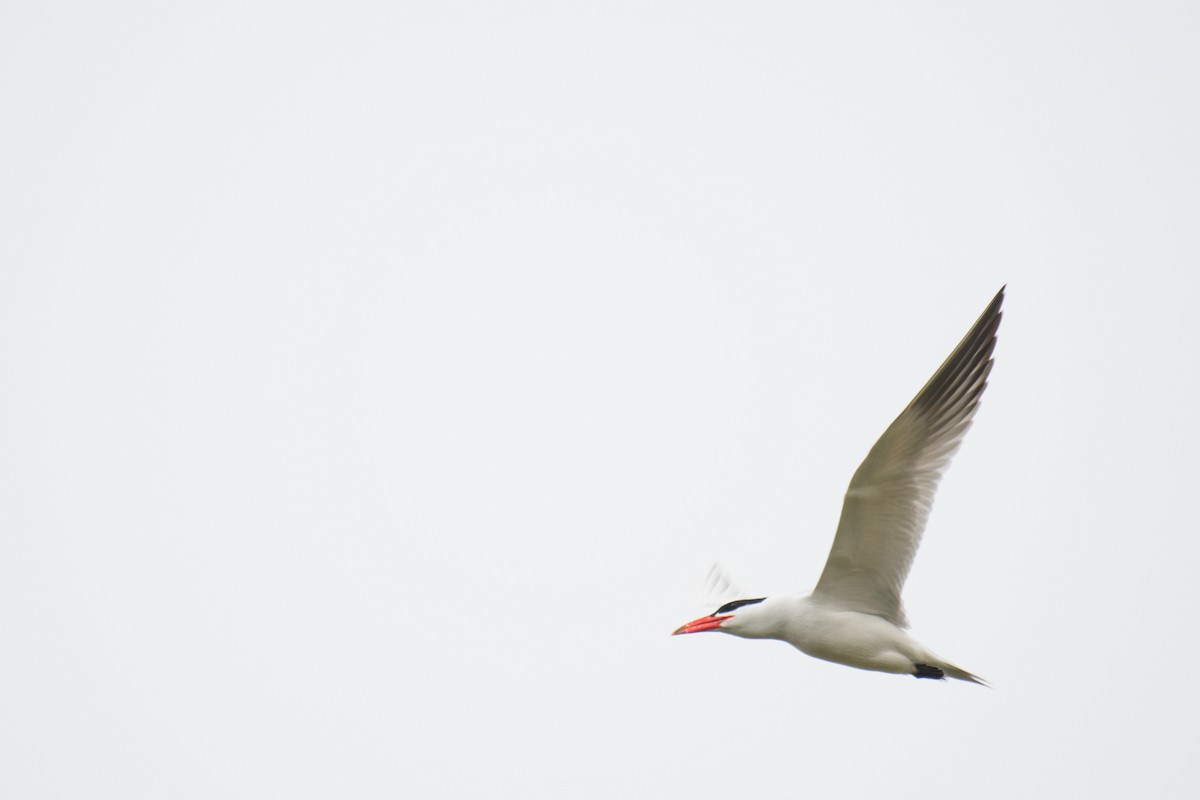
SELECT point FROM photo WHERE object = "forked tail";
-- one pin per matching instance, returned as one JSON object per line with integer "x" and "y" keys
{"x": 962, "y": 675}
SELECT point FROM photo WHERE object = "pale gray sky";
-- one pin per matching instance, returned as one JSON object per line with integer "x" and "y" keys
{"x": 381, "y": 380}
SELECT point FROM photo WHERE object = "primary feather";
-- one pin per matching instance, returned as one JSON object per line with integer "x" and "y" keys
{"x": 891, "y": 493}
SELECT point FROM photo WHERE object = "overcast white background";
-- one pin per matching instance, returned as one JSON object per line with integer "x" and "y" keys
{"x": 380, "y": 381}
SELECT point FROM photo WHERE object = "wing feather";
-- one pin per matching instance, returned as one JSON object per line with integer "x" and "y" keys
{"x": 891, "y": 493}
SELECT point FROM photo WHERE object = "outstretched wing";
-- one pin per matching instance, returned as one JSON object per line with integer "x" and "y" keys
{"x": 888, "y": 502}
{"x": 719, "y": 588}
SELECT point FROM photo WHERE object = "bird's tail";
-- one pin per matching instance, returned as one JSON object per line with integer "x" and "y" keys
{"x": 962, "y": 675}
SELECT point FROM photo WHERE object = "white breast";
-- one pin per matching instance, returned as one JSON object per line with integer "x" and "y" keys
{"x": 852, "y": 638}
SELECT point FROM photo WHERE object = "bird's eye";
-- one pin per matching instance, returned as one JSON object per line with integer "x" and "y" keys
{"x": 736, "y": 604}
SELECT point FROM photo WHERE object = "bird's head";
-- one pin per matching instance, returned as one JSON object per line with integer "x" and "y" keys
{"x": 740, "y": 617}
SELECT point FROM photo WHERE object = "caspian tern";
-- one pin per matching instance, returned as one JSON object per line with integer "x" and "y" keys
{"x": 854, "y": 616}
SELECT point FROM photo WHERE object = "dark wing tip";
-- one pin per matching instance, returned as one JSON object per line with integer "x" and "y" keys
{"x": 961, "y": 379}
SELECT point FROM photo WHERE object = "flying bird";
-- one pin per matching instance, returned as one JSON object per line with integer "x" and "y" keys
{"x": 854, "y": 616}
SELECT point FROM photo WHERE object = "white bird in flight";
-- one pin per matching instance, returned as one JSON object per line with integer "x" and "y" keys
{"x": 854, "y": 616}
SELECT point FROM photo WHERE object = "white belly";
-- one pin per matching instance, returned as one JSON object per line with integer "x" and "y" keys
{"x": 854, "y": 639}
